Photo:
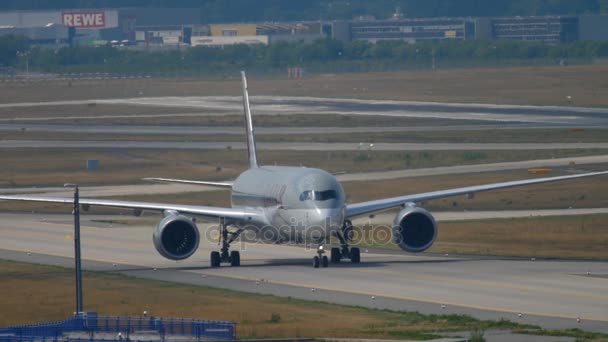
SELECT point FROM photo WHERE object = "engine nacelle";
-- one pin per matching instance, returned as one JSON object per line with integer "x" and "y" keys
{"x": 176, "y": 237}
{"x": 414, "y": 230}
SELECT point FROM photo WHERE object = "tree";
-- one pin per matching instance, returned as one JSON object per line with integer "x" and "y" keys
{"x": 604, "y": 6}
{"x": 10, "y": 45}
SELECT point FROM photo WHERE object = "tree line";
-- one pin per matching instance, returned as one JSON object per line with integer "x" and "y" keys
{"x": 323, "y": 54}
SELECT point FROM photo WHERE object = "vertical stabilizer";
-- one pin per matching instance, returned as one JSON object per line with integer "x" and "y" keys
{"x": 253, "y": 161}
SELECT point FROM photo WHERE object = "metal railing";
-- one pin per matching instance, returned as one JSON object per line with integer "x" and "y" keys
{"x": 92, "y": 324}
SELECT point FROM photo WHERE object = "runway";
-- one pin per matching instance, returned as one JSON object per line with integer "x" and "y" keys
{"x": 298, "y": 146}
{"x": 285, "y": 105}
{"x": 259, "y": 130}
{"x": 551, "y": 293}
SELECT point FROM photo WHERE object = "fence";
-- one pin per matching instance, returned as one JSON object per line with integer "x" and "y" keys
{"x": 92, "y": 324}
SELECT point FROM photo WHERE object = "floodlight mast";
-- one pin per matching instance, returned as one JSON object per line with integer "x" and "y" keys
{"x": 77, "y": 257}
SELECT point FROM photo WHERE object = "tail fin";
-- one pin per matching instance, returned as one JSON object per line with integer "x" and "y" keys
{"x": 253, "y": 161}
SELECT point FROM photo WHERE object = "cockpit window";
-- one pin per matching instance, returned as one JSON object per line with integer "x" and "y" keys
{"x": 318, "y": 195}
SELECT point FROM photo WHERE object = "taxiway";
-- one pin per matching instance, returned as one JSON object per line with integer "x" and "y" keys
{"x": 551, "y": 293}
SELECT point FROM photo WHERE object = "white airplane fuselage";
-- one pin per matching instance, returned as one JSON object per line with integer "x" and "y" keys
{"x": 296, "y": 201}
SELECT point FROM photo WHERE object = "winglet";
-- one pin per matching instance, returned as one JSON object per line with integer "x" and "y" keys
{"x": 253, "y": 161}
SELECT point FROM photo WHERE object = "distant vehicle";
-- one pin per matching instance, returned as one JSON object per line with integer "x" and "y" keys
{"x": 288, "y": 204}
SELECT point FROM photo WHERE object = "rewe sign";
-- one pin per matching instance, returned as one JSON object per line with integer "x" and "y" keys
{"x": 84, "y": 19}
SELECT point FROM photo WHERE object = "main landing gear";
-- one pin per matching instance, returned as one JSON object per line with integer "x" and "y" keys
{"x": 337, "y": 254}
{"x": 344, "y": 252}
{"x": 225, "y": 255}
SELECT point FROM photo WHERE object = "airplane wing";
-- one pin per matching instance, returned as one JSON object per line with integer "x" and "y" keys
{"x": 226, "y": 184}
{"x": 243, "y": 215}
{"x": 365, "y": 208}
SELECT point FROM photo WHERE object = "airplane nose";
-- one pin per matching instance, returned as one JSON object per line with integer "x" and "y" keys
{"x": 330, "y": 218}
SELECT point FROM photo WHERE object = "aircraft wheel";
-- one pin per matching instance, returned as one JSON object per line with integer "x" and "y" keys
{"x": 336, "y": 255}
{"x": 325, "y": 261}
{"x": 215, "y": 259}
{"x": 316, "y": 261}
{"x": 355, "y": 255}
{"x": 235, "y": 258}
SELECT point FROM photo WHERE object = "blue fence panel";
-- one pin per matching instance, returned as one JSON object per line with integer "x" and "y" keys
{"x": 92, "y": 324}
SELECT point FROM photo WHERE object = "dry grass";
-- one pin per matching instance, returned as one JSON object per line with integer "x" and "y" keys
{"x": 582, "y": 193}
{"x": 40, "y": 167}
{"x": 584, "y": 237}
{"x": 44, "y": 293}
{"x": 561, "y": 237}
{"x": 550, "y": 85}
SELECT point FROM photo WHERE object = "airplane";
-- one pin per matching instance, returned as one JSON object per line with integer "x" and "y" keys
{"x": 288, "y": 204}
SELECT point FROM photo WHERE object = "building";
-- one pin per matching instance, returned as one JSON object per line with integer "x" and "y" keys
{"x": 89, "y": 26}
{"x": 543, "y": 29}
{"x": 69, "y": 26}
{"x": 260, "y": 33}
{"x": 412, "y": 30}
{"x": 182, "y": 27}
{"x": 593, "y": 28}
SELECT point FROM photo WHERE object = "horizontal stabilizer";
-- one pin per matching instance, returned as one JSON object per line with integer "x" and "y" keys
{"x": 227, "y": 184}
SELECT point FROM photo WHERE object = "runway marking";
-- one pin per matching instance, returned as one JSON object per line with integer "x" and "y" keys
{"x": 487, "y": 284}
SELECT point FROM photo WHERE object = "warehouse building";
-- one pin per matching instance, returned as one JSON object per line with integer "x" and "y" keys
{"x": 593, "y": 28}
{"x": 259, "y": 33}
{"x": 412, "y": 30}
{"x": 544, "y": 29}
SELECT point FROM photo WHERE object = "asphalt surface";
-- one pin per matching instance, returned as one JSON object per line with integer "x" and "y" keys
{"x": 551, "y": 293}
{"x": 305, "y": 105}
{"x": 300, "y": 146}
{"x": 259, "y": 130}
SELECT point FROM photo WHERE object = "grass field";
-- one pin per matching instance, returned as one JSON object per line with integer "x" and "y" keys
{"x": 584, "y": 237}
{"x": 45, "y": 292}
{"x": 586, "y": 84}
{"x": 562, "y": 237}
{"x": 583, "y": 193}
{"x": 54, "y": 167}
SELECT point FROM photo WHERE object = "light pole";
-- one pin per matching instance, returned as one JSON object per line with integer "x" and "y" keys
{"x": 77, "y": 263}
{"x": 25, "y": 54}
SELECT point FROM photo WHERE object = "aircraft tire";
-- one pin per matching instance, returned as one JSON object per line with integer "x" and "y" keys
{"x": 325, "y": 261}
{"x": 215, "y": 259}
{"x": 316, "y": 261}
{"x": 235, "y": 258}
{"x": 336, "y": 255}
{"x": 355, "y": 255}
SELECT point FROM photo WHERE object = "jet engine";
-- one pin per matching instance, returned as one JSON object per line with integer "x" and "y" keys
{"x": 414, "y": 229}
{"x": 176, "y": 237}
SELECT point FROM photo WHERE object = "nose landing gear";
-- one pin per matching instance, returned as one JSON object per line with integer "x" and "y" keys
{"x": 337, "y": 254}
{"x": 320, "y": 259}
